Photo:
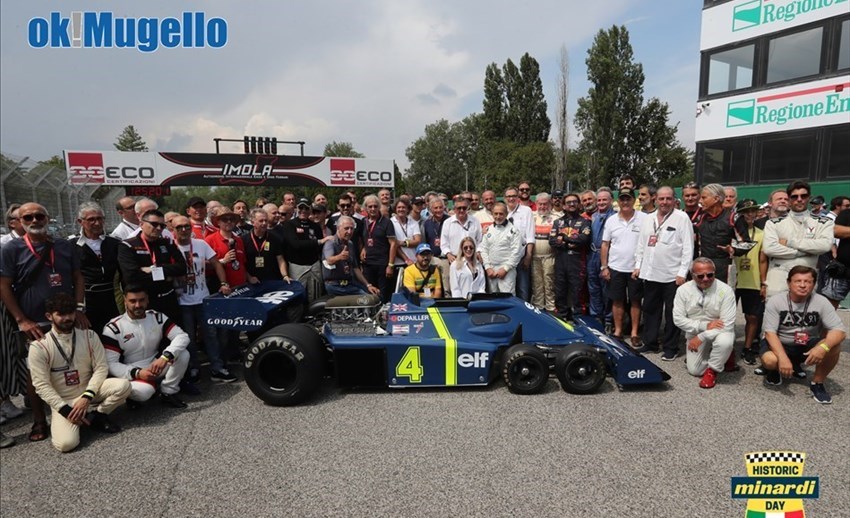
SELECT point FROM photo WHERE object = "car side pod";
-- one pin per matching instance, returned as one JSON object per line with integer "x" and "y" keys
{"x": 625, "y": 366}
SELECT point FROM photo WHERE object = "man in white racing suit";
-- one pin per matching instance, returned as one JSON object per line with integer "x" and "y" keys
{"x": 501, "y": 250}
{"x": 132, "y": 343}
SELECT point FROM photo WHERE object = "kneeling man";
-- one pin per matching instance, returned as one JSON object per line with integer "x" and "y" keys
{"x": 132, "y": 343}
{"x": 704, "y": 309}
{"x": 801, "y": 326}
{"x": 69, "y": 370}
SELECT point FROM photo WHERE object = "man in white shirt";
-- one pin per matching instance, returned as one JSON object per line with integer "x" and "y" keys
{"x": 126, "y": 208}
{"x": 522, "y": 218}
{"x": 705, "y": 309}
{"x": 662, "y": 259}
{"x": 501, "y": 251}
{"x": 485, "y": 215}
{"x": 455, "y": 229}
{"x": 617, "y": 255}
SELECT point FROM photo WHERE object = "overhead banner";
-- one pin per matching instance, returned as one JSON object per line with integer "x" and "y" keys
{"x": 173, "y": 169}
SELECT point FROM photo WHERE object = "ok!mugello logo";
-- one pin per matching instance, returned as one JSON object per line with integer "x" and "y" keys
{"x": 775, "y": 486}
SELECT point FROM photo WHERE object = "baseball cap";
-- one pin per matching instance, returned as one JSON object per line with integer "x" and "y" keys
{"x": 318, "y": 207}
{"x": 747, "y": 204}
{"x": 423, "y": 248}
{"x": 419, "y": 199}
{"x": 195, "y": 200}
{"x": 817, "y": 200}
{"x": 625, "y": 192}
{"x": 558, "y": 194}
{"x": 303, "y": 202}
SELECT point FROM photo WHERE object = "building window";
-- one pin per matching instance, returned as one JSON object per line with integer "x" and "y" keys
{"x": 725, "y": 162}
{"x": 838, "y": 160}
{"x": 844, "y": 45}
{"x": 731, "y": 69}
{"x": 795, "y": 55}
{"x": 786, "y": 157}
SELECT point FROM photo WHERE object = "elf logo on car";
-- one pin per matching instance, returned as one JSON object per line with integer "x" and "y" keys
{"x": 638, "y": 374}
{"x": 475, "y": 360}
{"x": 276, "y": 297}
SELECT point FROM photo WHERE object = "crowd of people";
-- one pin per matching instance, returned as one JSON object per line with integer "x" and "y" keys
{"x": 100, "y": 319}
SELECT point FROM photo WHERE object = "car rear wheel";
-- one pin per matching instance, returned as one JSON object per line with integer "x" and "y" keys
{"x": 580, "y": 369}
{"x": 525, "y": 369}
{"x": 284, "y": 366}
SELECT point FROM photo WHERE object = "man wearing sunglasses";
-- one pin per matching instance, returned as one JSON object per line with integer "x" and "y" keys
{"x": 126, "y": 208}
{"x": 303, "y": 240}
{"x": 347, "y": 206}
{"x": 99, "y": 265}
{"x": 153, "y": 262}
{"x": 797, "y": 239}
{"x": 705, "y": 309}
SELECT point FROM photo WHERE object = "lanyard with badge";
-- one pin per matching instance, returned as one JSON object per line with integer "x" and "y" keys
{"x": 801, "y": 336}
{"x": 656, "y": 227}
{"x": 72, "y": 376}
{"x": 369, "y": 241}
{"x": 156, "y": 271}
{"x": 55, "y": 279}
{"x": 263, "y": 245}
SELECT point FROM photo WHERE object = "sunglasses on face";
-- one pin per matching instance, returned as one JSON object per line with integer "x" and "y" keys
{"x": 571, "y": 202}
{"x": 524, "y": 189}
{"x": 344, "y": 205}
{"x": 36, "y": 217}
{"x": 371, "y": 206}
{"x": 510, "y": 196}
{"x": 799, "y": 196}
{"x": 183, "y": 228}
{"x": 701, "y": 276}
{"x": 461, "y": 208}
{"x": 468, "y": 247}
{"x": 155, "y": 224}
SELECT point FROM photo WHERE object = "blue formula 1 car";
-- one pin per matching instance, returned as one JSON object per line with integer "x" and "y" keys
{"x": 438, "y": 343}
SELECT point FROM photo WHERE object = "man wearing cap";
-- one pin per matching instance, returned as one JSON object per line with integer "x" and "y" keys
{"x": 558, "y": 203}
{"x": 196, "y": 209}
{"x": 422, "y": 277}
{"x": 817, "y": 208}
{"x": 795, "y": 240}
{"x": 570, "y": 240}
{"x": 617, "y": 255}
{"x": 303, "y": 240}
{"x": 340, "y": 263}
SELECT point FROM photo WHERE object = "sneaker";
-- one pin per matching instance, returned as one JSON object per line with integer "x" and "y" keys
{"x": 222, "y": 376}
{"x": 772, "y": 378}
{"x": 760, "y": 370}
{"x": 9, "y": 410}
{"x": 750, "y": 356}
{"x": 647, "y": 349}
{"x": 709, "y": 379}
{"x": 102, "y": 422}
{"x": 799, "y": 372}
{"x": 820, "y": 394}
{"x": 172, "y": 400}
{"x": 669, "y": 357}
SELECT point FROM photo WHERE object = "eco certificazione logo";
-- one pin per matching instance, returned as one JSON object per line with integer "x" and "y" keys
{"x": 775, "y": 486}
{"x": 780, "y": 109}
{"x": 101, "y": 29}
{"x": 758, "y": 12}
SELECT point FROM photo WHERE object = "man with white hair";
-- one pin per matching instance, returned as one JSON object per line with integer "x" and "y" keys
{"x": 716, "y": 229}
{"x": 99, "y": 265}
{"x": 730, "y": 200}
{"x": 543, "y": 260}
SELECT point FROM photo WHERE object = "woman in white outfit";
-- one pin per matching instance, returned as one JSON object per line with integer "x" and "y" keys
{"x": 467, "y": 272}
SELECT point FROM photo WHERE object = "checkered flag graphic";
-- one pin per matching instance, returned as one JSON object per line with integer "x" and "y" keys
{"x": 775, "y": 456}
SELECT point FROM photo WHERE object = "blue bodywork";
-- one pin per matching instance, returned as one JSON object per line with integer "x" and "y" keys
{"x": 251, "y": 307}
{"x": 456, "y": 342}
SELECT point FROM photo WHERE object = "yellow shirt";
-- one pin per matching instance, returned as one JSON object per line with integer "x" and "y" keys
{"x": 748, "y": 265}
{"x": 414, "y": 280}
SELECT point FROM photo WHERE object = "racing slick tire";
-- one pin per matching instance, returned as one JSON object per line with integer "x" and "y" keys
{"x": 284, "y": 366}
{"x": 525, "y": 369}
{"x": 580, "y": 369}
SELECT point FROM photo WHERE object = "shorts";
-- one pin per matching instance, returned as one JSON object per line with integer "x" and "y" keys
{"x": 751, "y": 302}
{"x": 834, "y": 288}
{"x": 794, "y": 352}
{"x": 623, "y": 288}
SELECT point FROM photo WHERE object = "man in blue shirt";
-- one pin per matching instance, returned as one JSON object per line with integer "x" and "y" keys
{"x": 596, "y": 286}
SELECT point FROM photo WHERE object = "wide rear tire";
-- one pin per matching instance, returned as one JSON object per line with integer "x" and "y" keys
{"x": 525, "y": 369}
{"x": 284, "y": 366}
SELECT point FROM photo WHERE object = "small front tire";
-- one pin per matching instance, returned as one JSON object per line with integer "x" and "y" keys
{"x": 580, "y": 369}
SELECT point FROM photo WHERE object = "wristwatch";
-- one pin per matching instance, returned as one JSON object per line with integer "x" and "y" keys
{"x": 602, "y": 269}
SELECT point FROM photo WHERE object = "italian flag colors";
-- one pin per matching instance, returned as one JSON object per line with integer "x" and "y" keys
{"x": 770, "y": 514}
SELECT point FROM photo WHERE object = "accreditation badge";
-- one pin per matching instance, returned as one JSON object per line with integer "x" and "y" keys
{"x": 72, "y": 378}
{"x": 259, "y": 261}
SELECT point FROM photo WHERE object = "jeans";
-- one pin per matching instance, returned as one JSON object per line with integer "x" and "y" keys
{"x": 192, "y": 316}
{"x": 597, "y": 289}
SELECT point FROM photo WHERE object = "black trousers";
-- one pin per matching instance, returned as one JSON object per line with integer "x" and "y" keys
{"x": 657, "y": 302}
{"x": 570, "y": 275}
{"x": 376, "y": 274}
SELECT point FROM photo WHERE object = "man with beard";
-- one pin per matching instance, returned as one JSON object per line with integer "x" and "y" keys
{"x": 485, "y": 215}
{"x": 421, "y": 277}
{"x": 196, "y": 209}
{"x": 795, "y": 240}
{"x": 588, "y": 204}
{"x": 69, "y": 372}
{"x": 524, "y": 197}
{"x": 778, "y": 208}
{"x": 569, "y": 238}
{"x": 243, "y": 226}
{"x": 133, "y": 344}
{"x": 99, "y": 265}
{"x": 646, "y": 196}
{"x": 32, "y": 269}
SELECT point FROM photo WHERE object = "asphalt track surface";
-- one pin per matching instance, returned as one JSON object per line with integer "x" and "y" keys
{"x": 659, "y": 452}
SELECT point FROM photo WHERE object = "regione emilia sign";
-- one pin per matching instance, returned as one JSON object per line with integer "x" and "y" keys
{"x": 819, "y": 103}
{"x": 743, "y": 19}
{"x": 175, "y": 169}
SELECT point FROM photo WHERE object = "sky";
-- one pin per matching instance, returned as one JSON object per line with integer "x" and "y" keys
{"x": 370, "y": 72}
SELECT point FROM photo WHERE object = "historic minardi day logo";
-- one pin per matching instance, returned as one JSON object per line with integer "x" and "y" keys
{"x": 775, "y": 486}
{"x": 758, "y": 12}
{"x": 102, "y": 29}
{"x": 779, "y": 109}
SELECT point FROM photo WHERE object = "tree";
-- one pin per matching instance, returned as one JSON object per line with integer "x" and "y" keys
{"x": 619, "y": 134}
{"x": 130, "y": 140}
{"x": 561, "y": 120}
{"x": 435, "y": 162}
{"x": 514, "y": 105}
{"x": 342, "y": 150}
{"x": 494, "y": 103}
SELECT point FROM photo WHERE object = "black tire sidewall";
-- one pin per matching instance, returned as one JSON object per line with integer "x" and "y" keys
{"x": 584, "y": 353}
{"x": 524, "y": 352}
{"x": 302, "y": 346}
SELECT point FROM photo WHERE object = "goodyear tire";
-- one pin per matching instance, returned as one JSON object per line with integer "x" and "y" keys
{"x": 525, "y": 369}
{"x": 580, "y": 369}
{"x": 284, "y": 366}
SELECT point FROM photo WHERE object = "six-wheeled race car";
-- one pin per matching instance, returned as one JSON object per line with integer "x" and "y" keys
{"x": 413, "y": 342}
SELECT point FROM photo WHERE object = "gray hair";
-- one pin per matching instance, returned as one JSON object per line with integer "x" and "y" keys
{"x": 668, "y": 188}
{"x": 716, "y": 190}
{"x": 11, "y": 211}
{"x": 256, "y": 211}
{"x": 371, "y": 197}
{"x": 89, "y": 206}
{"x": 589, "y": 191}
{"x": 703, "y": 260}
{"x": 605, "y": 189}
{"x": 141, "y": 203}
{"x": 542, "y": 196}
{"x": 345, "y": 219}
{"x": 733, "y": 189}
